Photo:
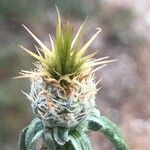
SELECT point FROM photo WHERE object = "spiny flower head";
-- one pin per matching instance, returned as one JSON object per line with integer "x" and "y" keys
{"x": 63, "y": 95}
{"x": 63, "y": 88}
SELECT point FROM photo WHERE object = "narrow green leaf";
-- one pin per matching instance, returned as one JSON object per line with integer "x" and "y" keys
{"x": 37, "y": 135}
{"x": 21, "y": 143}
{"x": 49, "y": 140}
{"x": 112, "y": 132}
{"x": 61, "y": 135}
{"x": 93, "y": 119}
{"x": 33, "y": 54}
{"x": 82, "y": 126}
{"x": 108, "y": 128}
{"x": 85, "y": 141}
{"x": 52, "y": 43}
{"x": 59, "y": 20}
{"x": 34, "y": 126}
{"x": 37, "y": 40}
{"x": 75, "y": 143}
{"x": 80, "y": 141}
{"x": 84, "y": 48}
{"x": 76, "y": 36}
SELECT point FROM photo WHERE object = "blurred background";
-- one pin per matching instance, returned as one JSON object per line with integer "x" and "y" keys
{"x": 124, "y": 97}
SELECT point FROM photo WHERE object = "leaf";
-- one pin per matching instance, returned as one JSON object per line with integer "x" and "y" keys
{"x": 52, "y": 43}
{"x": 85, "y": 141}
{"x": 113, "y": 133}
{"x": 60, "y": 135}
{"x": 103, "y": 62}
{"x": 80, "y": 140}
{"x": 84, "y": 48}
{"x": 75, "y": 142}
{"x": 35, "y": 125}
{"x": 93, "y": 119}
{"x": 76, "y": 37}
{"x": 37, "y": 40}
{"x": 49, "y": 140}
{"x": 21, "y": 143}
{"x": 82, "y": 126}
{"x": 108, "y": 128}
{"x": 59, "y": 20}
{"x": 37, "y": 135}
{"x": 41, "y": 59}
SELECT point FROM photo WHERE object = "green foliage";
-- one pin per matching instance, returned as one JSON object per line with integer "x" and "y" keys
{"x": 80, "y": 141}
{"x": 61, "y": 135}
{"x": 34, "y": 127}
{"x": 49, "y": 140}
{"x": 74, "y": 138}
{"x": 21, "y": 143}
{"x": 108, "y": 128}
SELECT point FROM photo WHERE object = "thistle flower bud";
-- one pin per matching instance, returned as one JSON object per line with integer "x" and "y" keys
{"x": 62, "y": 94}
{"x": 62, "y": 85}
{"x": 57, "y": 107}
